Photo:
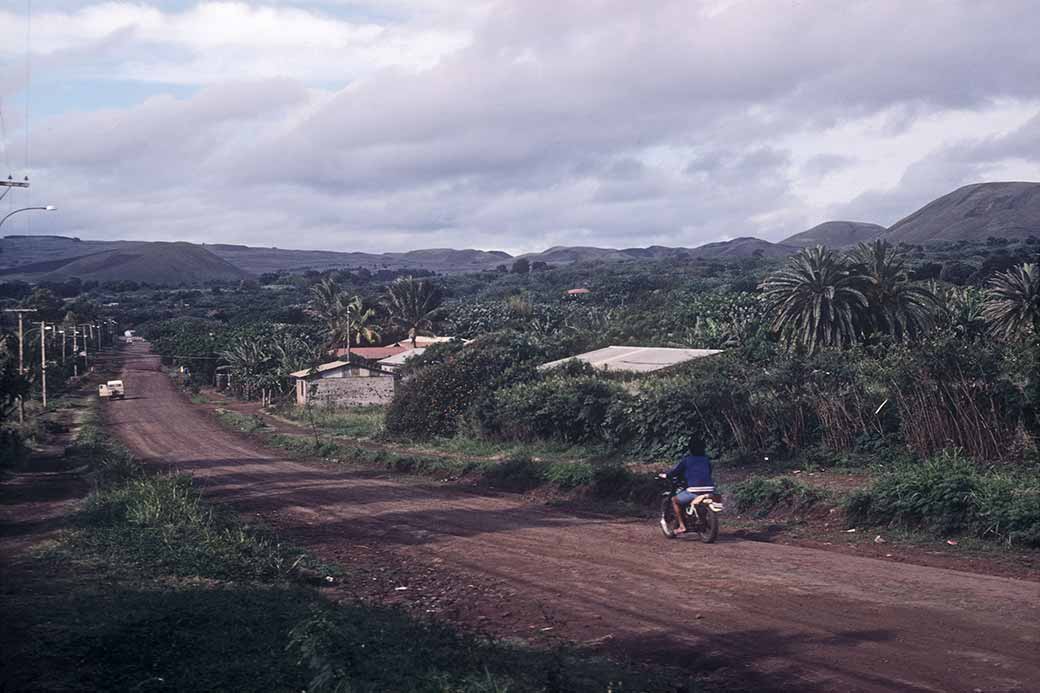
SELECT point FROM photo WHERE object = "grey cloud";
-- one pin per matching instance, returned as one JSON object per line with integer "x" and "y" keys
{"x": 598, "y": 121}
{"x": 822, "y": 164}
{"x": 941, "y": 172}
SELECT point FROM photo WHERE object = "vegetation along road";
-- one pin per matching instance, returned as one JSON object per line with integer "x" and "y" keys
{"x": 791, "y": 616}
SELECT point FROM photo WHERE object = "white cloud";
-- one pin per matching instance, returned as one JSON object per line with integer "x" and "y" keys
{"x": 402, "y": 125}
{"x": 216, "y": 41}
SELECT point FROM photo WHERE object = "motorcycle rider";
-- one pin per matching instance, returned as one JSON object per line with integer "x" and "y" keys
{"x": 694, "y": 469}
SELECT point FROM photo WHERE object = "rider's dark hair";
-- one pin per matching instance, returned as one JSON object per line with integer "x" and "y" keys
{"x": 696, "y": 446}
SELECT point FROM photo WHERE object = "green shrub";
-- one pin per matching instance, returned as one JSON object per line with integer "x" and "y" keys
{"x": 950, "y": 494}
{"x": 516, "y": 474}
{"x": 441, "y": 388}
{"x": 701, "y": 401}
{"x": 569, "y": 475}
{"x": 763, "y": 495}
{"x": 571, "y": 409}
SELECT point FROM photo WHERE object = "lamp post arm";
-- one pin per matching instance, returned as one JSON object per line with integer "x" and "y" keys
{"x": 23, "y": 209}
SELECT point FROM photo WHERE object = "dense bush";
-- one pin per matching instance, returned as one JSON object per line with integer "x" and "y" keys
{"x": 950, "y": 494}
{"x": 558, "y": 407}
{"x": 446, "y": 383}
{"x": 866, "y": 403}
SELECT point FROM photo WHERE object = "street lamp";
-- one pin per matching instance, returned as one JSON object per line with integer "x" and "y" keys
{"x": 48, "y": 208}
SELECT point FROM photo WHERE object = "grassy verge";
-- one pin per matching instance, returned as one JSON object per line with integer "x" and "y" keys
{"x": 764, "y": 495}
{"x": 951, "y": 495}
{"x": 367, "y": 423}
{"x": 241, "y": 422}
{"x": 356, "y": 422}
{"x": 520, "y": 473}
{"x": 154, "y": 589}
{"x": 516, "y": 473}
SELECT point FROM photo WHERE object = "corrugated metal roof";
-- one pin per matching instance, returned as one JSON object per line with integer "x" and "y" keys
{"x": 635, "y": 359}
{"x": 375, "y": 353}
{"x": 331, "y": 365}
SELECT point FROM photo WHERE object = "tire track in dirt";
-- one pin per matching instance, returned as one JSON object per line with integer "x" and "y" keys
{"x": 779, "y": 616}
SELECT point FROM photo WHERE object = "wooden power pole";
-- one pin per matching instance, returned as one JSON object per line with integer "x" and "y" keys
{"x": 43, "y": 362}
{"x": 21, "y": 353}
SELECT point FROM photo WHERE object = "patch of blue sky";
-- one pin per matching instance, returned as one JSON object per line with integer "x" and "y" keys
{"x": 55, "y": 95}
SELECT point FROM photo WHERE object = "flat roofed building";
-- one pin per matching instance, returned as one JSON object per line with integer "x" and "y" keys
{"x": 392, "y": 363}
{"x": 635, "y": 359}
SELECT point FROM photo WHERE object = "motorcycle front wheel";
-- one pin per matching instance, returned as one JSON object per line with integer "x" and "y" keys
{"x": 668, "y": 522}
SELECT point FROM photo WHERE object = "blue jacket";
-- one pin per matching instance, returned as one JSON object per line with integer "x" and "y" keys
{"x": 695, "y": 470}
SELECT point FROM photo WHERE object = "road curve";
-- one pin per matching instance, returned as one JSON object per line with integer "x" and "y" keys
{"x": 793, "y": 618}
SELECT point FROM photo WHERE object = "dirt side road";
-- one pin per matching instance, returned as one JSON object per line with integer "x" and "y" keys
{"x": 782, "y": 616}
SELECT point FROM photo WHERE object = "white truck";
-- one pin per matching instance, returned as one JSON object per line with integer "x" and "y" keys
{"x": 113, "y": 389}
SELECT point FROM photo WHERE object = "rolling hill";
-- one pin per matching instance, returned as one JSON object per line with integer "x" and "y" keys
{"x": 260, "y": 260}
{"x": 156, "y": 263}
{"x": 974, "y": 212}
{"x": 742, "y": 248}
{"x": 836, "y": 234}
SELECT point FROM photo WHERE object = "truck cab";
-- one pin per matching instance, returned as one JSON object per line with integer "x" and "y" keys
{"x": 113, "y": 389}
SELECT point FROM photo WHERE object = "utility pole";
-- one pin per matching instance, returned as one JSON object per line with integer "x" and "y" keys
{"x": 21, "y": 353}
{"x": 75, "y": 352}
{"x": 43, "y": 362}
{"x": 86, "y": 347}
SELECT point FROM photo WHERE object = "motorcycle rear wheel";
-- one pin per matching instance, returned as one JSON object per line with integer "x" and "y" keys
{"x": 708, "y": 525}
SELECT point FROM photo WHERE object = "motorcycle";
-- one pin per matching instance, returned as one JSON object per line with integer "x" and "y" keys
{"x": 701, "y": 514}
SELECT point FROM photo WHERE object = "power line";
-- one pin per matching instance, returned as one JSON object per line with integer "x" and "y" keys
{"x": 28, "y": 74}
{"x": 28, "y": 97}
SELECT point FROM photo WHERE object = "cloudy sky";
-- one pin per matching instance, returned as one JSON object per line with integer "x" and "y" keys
{"x": 514, "y": 125}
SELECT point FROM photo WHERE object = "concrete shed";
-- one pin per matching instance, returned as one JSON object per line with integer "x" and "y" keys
{"x": 339, "y": 383}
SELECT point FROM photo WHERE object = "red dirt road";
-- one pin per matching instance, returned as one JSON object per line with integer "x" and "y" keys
{"x": 781, "y": 617}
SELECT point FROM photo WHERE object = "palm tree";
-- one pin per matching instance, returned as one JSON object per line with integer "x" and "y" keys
{"x": 964, "y": 307}
{"x": 1013, "y": 301}
{"x": 248, "y": 358}
{"x": 344, "y": 317}
{"x": 357, "y": 319}
{"x": 412, "y": 304}
{"x": 896, "y": 306}
{"x": 818, "y": 300}
{"x": 326, "y": 300}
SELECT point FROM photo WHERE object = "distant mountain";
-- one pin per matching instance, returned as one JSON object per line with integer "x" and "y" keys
{"x": 741, "y": 248}
{"x": 569, "y": 255}
{"x": 260, "y": 260}
{"x": 974, "y": 212}
{"x": 451, "y": 260}
{"x": 156, "y": 263}
{"x": 836, "y": 234}
{"x": 26, "y": 250}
